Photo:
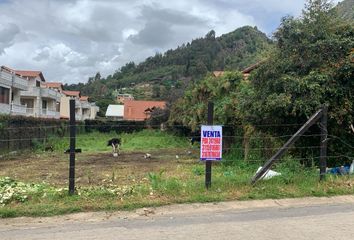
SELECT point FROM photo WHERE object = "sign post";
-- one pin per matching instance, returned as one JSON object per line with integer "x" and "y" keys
{"x": 210, "y": 144}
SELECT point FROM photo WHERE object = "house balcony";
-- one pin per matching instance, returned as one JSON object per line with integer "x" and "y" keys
{"x": 50, "y": 93}
{"x": 31, "y": 92}
{"x": 78, "y": 117}
{"x": 85, "y": 105}
{"x": 42, "y": 92}
{"x": 6, "y": 78}
{"x": 49, "y": 113}
{"x": 14, "y": 81}
{"x": 20, "y": 83}
{"x": 77, "y": 103}
{"x": 18, "y": 109}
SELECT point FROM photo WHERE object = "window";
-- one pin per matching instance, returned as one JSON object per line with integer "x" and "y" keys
{"x": 4, "y": 95}
{"x": 44, "y": 104}
{"x": 38, "y": 83}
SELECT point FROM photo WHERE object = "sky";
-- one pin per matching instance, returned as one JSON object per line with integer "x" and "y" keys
{"x": 71, "y": 40}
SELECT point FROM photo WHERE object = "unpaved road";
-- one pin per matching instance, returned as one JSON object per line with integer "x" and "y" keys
{"x": 309, "y": 218}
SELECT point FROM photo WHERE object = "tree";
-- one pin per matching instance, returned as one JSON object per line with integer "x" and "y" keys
{"x": 97, "y": 76}
{"x": 191, "y": 109}
{"x": 311, "y": 65}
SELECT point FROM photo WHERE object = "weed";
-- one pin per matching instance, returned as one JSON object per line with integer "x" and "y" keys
{"x": 155, "y": 179}
{"x": 198, "y": 170}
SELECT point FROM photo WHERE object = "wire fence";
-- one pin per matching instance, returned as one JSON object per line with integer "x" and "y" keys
{"x": 29, "y": 137}
{"x": 150, "y": 148}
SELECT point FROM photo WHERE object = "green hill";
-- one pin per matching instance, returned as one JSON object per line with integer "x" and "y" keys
{"x": 346, "y": 9}
{"x": 156, "y": 76}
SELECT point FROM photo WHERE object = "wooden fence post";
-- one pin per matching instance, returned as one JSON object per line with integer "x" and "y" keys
{"x": 72, "y": 147}
{"x": 208, "y": 163}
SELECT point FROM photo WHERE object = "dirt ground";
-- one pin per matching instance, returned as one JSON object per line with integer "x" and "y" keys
{"x": 95, "y": 168}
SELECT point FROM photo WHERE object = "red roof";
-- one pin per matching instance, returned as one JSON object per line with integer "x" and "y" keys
{"x": 10, "y": 70}
{"x": 53, "y": 84}
{"x": 30, "y": 74}
{"x": 84, "y": 98}
{"x": 72, "y": 93}
{"x": 140, "y": 110}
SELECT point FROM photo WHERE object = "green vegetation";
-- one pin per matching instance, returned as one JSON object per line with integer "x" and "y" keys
{"x": 346, "y": 9}
{"x": 311, "y": 65}
{"x": 97, "y": 142}
{"x": 105, "y": 183}
{"x": 229, "y": 183}
{"x": 165, "y": 76}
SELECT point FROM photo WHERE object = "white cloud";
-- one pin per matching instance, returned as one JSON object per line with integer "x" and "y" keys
{"x": 8, "y": 33}
{"x": 70, "y": 40}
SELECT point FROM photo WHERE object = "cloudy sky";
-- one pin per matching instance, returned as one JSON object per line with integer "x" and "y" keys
{"x": 70, "y": 40}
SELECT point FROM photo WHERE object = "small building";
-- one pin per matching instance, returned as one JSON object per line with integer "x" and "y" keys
{"x": 65, "y": 104}
{"x": 115, "y": 112}
{"x": 123, "y": 97}
{"x": 83, "y": 108}
{"x": 141, "y": 110}
{"x": 218, "y": 73}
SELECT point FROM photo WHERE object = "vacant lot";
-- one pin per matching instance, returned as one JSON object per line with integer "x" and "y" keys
{"x": 35, "y": 184}
{"x": 94, "y": 169}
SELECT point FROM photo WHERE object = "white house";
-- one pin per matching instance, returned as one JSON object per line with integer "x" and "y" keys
{"x": 10, "y": 86}
{"x": 40, "y": 101}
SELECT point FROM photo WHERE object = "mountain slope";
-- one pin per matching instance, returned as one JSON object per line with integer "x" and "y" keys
{"x": 154, "y": 77}
{"x": 345, "y": 9}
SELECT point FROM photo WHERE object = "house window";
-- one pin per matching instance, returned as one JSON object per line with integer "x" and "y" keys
{"x": 4, "y": 95}
{"x": 44, "y": 104}
{"x": 38, "y": 83}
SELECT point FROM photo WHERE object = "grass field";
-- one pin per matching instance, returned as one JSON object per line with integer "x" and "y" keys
{"x": 35, "y": 184}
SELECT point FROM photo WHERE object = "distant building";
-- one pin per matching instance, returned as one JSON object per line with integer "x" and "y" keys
{"x": 83, "y": 108}
{"x": 36, "y": 100}
{"x": 247, "y": 71}
{"x": 53, "y": 85}
{"x": 27, "y": 93}
{"x": 140, "y": 110}
{"x": 123, "y": 97}
{"x": 65, "y": 104}
{"x": 115, "y": 112}
{"x": 218, "y": 73}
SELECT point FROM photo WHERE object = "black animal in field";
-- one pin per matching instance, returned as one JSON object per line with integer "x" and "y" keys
{"x": 115, "y": 144}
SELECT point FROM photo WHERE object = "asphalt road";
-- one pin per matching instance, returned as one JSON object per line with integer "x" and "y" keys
{"x": 323, "y": 221}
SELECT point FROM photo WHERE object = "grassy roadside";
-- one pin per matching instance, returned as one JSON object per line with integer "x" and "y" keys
{"x": 229, "y": 183}
{"x": 141, "y": 185}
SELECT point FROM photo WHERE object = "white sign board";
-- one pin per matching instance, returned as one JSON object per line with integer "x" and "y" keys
{"x": 211, "y": 143}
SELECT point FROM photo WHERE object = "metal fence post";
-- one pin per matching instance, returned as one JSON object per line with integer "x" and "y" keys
{"x": 72, "y": 148}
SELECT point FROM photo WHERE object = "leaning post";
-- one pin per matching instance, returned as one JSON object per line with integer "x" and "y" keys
{"x": 324, "y": 139}
{"x": 72, "y": 147}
